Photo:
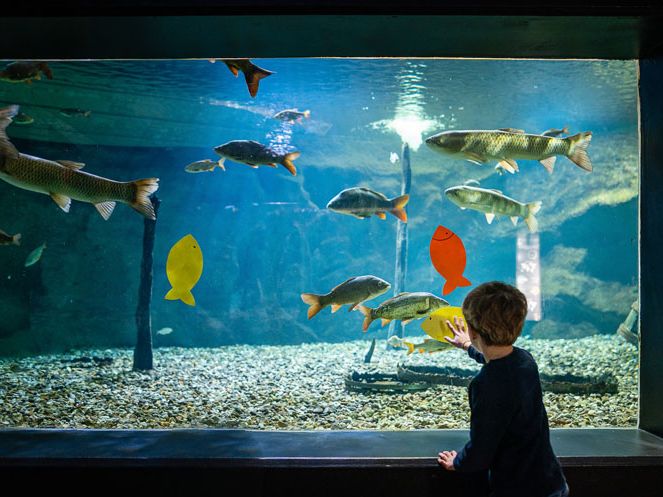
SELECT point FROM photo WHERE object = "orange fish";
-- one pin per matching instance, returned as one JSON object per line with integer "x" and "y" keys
{"x": 447, "y": 254}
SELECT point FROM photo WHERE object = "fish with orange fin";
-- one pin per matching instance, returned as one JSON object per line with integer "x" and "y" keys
{"x": 24, "y": 71}
{"x": 362, "y": 202}
{"x": 252, "y": 73}
{"x": 405, "y": 307}
{"x": 447, "y": 253}
{"x": 352, "y": 291}
{"x": 63, "y": 180}
{"x": 255, "y": 154}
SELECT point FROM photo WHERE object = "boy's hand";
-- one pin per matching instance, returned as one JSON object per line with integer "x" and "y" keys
{"x": 461, "y": 337}
{"x": 446, "y": 459}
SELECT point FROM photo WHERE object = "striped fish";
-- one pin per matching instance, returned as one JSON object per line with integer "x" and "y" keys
{"x": 63, "y": 180}
{"x": 492, "y": 202}
{"x": 506, "y": 145}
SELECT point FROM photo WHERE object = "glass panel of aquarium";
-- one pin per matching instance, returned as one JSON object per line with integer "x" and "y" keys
{"x": 278, "y": 243}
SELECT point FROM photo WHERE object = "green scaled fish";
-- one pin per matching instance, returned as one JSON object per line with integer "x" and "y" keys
{"x": 405, "y": 306}
{"x": 63, "y": 180}
{"x": 506, "y": 145}
{"x": 492, "y": 202}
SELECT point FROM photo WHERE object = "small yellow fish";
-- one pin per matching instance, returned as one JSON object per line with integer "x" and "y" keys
{"x": 183, "y": 268}
{"x": 435, "y": 325}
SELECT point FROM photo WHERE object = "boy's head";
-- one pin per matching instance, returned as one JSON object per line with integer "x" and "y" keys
{"x": 496, "y": 311}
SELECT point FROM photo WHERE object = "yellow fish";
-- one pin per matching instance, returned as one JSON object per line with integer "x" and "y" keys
{"x": 183, "y": 268}
{"x": 435, "y": 325}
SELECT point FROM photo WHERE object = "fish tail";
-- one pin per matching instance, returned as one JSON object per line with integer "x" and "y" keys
{"x": 452, "y": 284}
{"x": 141, "y": 201}
{"x": 45, "y": 70}
{"x": 368, "y": 316}
{"x": 578, "y": 150}
{"x": 6, "y": 147}
{"x": 398, "y": 207}
{"x": 315, "y": 303}
{"x": 410, "y": 347}
{"x": 253, "y": 74}
{"x": 287, "y": 162}
{"x": 16, "y": 239}
{"x": 184, "y": 295}
{"x": 220, "y": 165}
{"x": 532, "y": 223}
{"x": 307, "y": 114}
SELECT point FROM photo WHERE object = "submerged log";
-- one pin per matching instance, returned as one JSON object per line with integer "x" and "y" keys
{"x": 143, "y": 352}
{"x": 564, "y": 383}
{"x": 396, "y": 327}
{"x": 369, "y": 353}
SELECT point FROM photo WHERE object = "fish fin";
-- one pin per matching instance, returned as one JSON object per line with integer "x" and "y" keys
{"x": 7, "y": 149}
{"x": 253, "y": 74}
{"x": 220, "y": 162}
{"x": 307, "y": 114}
{"x": 63, "y": 201}
{"x": 489, "y": 217}
{"x": 144, "y": 188}
{"x": 474, "y": 157}
{"x": 233, "y": 69}
{"x": 410, "y": 347}
{"x": 463, "y": 208}
{"x": 253, "y": 166}
{"x": 549, "y": 163}
{"x": 71, "y": 164}
{"x": 314, "y": 303}
{"x": 335, "y": 307}
{"x": 514, "y": 220}
{"x": 578, "y": 153}
{"x": 287, "y": 162}
{"x": 384, "y": 322}
{"x": 508, "y": 165}
{"x": 381, "y": 215}
{"x": 368, "y": 316}
{"x": 405, "y": 322}
{"x": 272, "y": 164}
{"x": 16, "y": 239}
{"x": 352, "y": 307}
{"x": 398, "y": 207}
{"x": 531, "y": 221}
{"x": 512, "y": 130}
{"x": 451, "y": 285}
{"x": 105, "y": 209}
{"x": 46, "y": 71}
{"x": 184, "y": 295}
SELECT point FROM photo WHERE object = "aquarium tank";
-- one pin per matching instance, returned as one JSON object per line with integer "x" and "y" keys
{"x": 276, "y": 244}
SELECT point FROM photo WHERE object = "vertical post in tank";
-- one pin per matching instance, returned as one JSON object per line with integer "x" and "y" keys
{"x": 143, "y": 351}
{"x": 396, "y": 327}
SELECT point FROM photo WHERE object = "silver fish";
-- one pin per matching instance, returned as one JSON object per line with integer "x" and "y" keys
{"x": 506, "y": 145}
{"x": 363, "y": 202}
{"x": 492, "y": 202}
{"x": 202, "y": 166}
{"x": 352, "y": 291}
{"x": 165, "y": 331}
{"x": 405, "y": 306}
{"x": 428, "y": 345}
{"x": 69, "y": 112}
{"x": 255, "y": 154}
{"x": 34, "y": 256}
{"x": 292, "y": 115}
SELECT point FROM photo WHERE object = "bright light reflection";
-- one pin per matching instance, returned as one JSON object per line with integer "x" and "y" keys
{"x": 411, "y": 127}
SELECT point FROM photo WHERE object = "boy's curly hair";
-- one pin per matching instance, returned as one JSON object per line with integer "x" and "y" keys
{"x": 496, "y": 311}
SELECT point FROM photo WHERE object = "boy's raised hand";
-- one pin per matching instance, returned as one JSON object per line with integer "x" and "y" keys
{"x": 446, "y": 459}
{"x": 461, "y": 335}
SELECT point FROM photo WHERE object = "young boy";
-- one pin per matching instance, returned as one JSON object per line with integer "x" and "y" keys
{"x": 509, "y": 433}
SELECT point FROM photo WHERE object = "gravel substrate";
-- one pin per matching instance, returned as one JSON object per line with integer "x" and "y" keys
{"x": 290, "y": 388}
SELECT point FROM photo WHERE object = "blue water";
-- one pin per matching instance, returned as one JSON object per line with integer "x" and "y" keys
{"x": 266, "y": 236}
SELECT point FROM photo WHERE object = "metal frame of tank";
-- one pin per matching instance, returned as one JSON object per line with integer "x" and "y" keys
{"x": 597, "y": 461}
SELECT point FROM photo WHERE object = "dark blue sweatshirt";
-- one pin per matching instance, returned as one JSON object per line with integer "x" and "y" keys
{"x": 509, "y": 433}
